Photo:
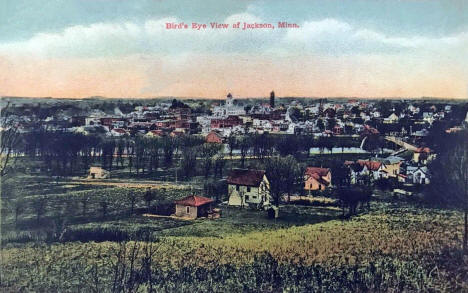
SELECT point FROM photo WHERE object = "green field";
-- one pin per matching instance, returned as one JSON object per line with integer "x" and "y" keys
{"x": 395, "y": 246}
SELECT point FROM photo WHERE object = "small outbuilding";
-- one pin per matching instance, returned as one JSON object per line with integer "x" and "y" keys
{"x": 98, "y": 173}
{"x": 193, "y": 207}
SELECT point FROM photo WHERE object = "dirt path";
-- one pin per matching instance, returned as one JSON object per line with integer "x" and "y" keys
{"x": 129, "y": 184}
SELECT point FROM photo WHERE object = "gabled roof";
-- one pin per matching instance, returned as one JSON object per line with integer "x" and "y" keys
{"x": 316, "y": 170}
{"x": 245, "y": 177}
{"x": 319, "y": 179}
{"x": 371, "y": 165}
{"x": 194, "y": 201}
{"x": 414, "y": 169}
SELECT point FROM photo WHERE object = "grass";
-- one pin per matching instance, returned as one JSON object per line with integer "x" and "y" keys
{"x": 243, "y": 221}
{"x": 389, "y": 249}
{"x": 393, "y": 247}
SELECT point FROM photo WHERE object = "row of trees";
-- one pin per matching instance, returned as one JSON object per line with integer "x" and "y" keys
{"x": 70, "y": 153}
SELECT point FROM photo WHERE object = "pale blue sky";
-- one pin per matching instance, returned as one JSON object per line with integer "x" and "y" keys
{"x": 21, "y": 19}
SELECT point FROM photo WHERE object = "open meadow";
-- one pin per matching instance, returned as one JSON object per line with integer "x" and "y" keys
{"x": 392, "y": 246}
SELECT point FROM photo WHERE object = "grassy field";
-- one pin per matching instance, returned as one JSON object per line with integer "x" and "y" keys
{"x": 395, "y": 246}
{"x": 391, "y": 248}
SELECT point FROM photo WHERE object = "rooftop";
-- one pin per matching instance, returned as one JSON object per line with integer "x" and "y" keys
{"x": 194, "y": 201}
{"x": 245, "y": 177}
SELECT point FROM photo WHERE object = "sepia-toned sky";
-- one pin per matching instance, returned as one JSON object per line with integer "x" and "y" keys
{"x": 119, "y": 48}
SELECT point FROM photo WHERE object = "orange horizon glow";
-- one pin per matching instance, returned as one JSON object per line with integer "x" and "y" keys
{"x": 211, "y": 77}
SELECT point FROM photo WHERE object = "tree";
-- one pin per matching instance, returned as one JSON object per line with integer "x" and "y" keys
{"x": 244, "y": 146}
{"x": 219, "y": 163}
{"x": 169, "y": 145}
{"x": 351, "y": 198}
{"x": 140, "y": 154}
{"x": 307, "y": 142}
{"x": 189, "y": 161}
{"x": 373, "y": 143}
{"x": 153, "y": 150}
{"x": 288, "y": 145}
{"x": 132, "y": 198}
{"x": 9, "y": 140}
{"x": 207, "y": 152}
{"x": 281, "y": 173}
{"x": 262, "y": 145}
{"x": 341, "y": 174}
{"x": 149, "y": 196}
{"x": 232, "y": 143}
{"x": 449, "y": 184}
{"x": 215, "y": 189}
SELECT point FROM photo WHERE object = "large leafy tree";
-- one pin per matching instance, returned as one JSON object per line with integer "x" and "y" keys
{"x": 282, "y": 173}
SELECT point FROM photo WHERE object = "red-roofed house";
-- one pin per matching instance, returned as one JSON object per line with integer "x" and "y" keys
{"x": 370, "y": 165}
{"x": 317, "y": 178}
{"x": 193, "y": 206}
{"x": 380, "y": 169}
{"x": 213, "y": 137}
{"x": 247, "y": 187}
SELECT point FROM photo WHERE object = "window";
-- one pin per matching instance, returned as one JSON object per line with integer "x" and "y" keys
{"x": 248, "y": 188}
{"x": 246, "y": 197}
{"x": 254, "y": 196}
{"x": 237, "y": 187}
{"x": 188, "y": 210}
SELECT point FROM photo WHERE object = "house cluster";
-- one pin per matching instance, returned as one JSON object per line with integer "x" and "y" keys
{"x": 412, "y": 171}
{"x": 251, "y": 188}
{"x": 312, "y": 117}
{"x": 247, "y": 187}
{"x": 319, "y": 119}
{"x": 160, "y": 120}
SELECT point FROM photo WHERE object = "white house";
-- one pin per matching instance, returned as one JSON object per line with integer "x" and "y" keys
{"x": 248, "y": 187}
{"x": 418, "y": 174}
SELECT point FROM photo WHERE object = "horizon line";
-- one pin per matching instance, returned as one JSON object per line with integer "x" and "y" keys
{"x": 240, "y": 98}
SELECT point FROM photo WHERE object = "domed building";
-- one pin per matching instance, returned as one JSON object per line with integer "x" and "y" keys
{"x": 228, "y": 109}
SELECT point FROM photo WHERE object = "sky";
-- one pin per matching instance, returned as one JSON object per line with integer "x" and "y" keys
{"x": 121, "y": 49}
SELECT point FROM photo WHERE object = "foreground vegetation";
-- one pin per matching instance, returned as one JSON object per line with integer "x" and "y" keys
{"x": 394, "y": 247}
